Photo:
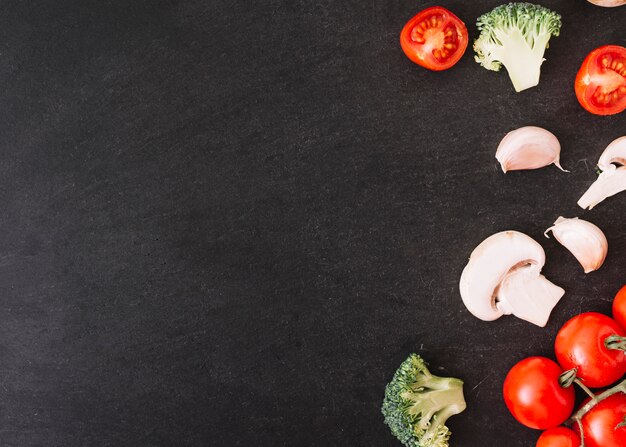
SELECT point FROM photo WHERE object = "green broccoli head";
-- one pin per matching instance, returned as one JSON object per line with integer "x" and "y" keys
{"x": 417, "y": 404}
{"x": 516, "y": 35}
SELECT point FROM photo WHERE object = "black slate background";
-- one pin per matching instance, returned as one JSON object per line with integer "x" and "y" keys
{"x": 226, "y": 223}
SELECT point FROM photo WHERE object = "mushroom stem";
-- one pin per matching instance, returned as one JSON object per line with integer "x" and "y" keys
{"x": 528, "y": 296}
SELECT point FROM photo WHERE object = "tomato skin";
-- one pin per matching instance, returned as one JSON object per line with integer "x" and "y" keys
{"x": 419, "y": 52}
{"x": 580, "y": 344}
{"x": 619, "y": 308}
{"x": 600, "y": 422}
{"x": 558, "y": 437}
{"x": 533, "y": 395}
{"x": 593, "y": 75}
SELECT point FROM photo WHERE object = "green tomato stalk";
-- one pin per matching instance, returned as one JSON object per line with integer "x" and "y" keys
{"x": 567, "y": 379}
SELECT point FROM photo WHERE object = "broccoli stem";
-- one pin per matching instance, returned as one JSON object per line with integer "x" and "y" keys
{"x": 521, "y": 62}
{"x": 440, "y": 396}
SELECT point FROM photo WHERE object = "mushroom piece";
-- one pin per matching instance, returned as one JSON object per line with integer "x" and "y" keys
{"x": 612, "y": 179}
{"x": 583, "y": 239}
{"x": 503, "y": 277}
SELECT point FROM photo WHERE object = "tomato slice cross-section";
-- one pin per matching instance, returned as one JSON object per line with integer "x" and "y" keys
{"x": 601, "y": 81}
{"x": 435, "y": 38}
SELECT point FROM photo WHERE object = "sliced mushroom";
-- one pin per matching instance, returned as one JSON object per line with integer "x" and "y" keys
{"x": 503, "y": 277}
{"x": 583, "y": 239}
{"x": 612, "y": 179}
{"x": 528, "y": 147}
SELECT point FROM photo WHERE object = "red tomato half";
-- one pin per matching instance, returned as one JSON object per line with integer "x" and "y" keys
{"x": 558, "y": 437}
{"x": 580, "y": 344}
{"x": 533, "y": 395}
{"x": 435, "y": 38}
{"x": 619, "y": 307}
{"x": 601, "y": 81}
{"x": 600, "y": 423}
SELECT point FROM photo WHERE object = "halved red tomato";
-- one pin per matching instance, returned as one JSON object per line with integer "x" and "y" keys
{"x": 601, "y": 81}
{"x": 435, "y": 38}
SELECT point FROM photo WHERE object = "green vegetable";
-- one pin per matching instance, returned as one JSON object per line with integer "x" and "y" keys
{"x": 417, "y": 404}
{"x": 516, "y": 35}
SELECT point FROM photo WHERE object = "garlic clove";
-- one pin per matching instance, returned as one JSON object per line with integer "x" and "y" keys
{"x": 583, "y": 239}
{"x": 612, "y": 180}
{"x": 528, "y": 147}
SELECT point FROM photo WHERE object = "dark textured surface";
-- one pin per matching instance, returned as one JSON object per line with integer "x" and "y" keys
{"x": 226, "y": 223}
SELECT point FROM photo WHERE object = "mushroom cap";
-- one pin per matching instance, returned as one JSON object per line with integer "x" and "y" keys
{"x": 488, "y": 265}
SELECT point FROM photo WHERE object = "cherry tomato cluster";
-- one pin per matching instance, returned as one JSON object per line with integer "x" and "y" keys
{"x": 436, "y": 39}
{"x": 590, "y": 351}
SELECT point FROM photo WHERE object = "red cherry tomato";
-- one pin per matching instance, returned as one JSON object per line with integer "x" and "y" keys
{"x": 601, "y": 81}
{"x": 619, "y": 307}
{"x": 533, "y": 395}
{"x": 600, "y": 423}
{"x": 558, "y": 437}
{"x": 435, "y": 38}
{"x": 580, "y": 344}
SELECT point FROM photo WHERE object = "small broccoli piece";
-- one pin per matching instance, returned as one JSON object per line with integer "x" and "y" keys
{"x": 516, "y": 35}
{"x": 418, "y": 404}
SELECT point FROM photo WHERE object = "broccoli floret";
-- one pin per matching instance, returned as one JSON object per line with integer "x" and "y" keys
{"x": 418, "y": 404}
{"x": 516, "y": 35}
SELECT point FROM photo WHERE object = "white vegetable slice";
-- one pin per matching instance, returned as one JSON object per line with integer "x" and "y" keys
{"x": 612, "y": 180}
{"x": 527, "y": 296}
{"x": 503, "y": 277}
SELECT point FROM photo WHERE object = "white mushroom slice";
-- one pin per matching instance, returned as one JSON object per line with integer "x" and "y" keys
{"x": 583, "y": 239}
{"x": 527, "y": 296}
{"x": 612, "y": 180}
{"x": 503, "y": 277}
{"x": 528, "y": 147}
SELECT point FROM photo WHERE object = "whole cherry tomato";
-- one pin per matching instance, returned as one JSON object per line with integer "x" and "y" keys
{"x": 619, "y": 307}
{"x": 435, "y": 38}
{"x": 581, "y": 344}
{"x": 600, "y": 424}
{"x": 558, "y": 437}
{"x": 533, "y": 395}
{"x": 601, "y": 81}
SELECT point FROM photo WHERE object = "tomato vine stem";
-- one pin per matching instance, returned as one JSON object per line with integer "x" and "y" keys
{"x": 595, "y": 399}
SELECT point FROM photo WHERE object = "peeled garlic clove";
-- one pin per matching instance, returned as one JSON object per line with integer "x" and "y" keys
{"x": 528, "y": 147}
{"x": 583, "y": 239}
{"x": 612, "y": 180}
